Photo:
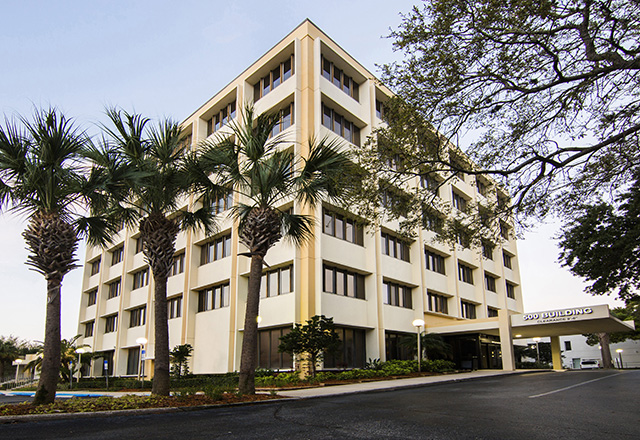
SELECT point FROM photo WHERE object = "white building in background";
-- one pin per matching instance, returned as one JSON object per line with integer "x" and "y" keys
{"x": 372, "y": 282}
{"x": 575, "y": 350}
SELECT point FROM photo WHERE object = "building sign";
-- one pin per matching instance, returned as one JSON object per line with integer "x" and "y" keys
{"x": 558, "y": 315}
{"x": 570, "y": 314}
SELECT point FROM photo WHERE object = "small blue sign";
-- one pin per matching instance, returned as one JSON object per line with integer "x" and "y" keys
{"x": 106, "y": 365}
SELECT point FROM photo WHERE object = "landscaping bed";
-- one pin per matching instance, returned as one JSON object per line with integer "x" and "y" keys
{"x": 105, "y": 403}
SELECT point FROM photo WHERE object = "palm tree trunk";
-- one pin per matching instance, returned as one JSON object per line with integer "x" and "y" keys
{"x": 248, "y": 358}
{"x": 161, "y": 351}
{"x": 50, "y": 367}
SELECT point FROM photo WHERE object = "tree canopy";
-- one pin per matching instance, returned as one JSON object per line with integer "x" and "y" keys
{"x": 547, "y": 90}
{"x": 310, "y": 341}
{"x": 602, "y": 244}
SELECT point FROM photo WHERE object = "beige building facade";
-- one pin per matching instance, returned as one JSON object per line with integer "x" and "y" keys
{"x": 371, "y": 281}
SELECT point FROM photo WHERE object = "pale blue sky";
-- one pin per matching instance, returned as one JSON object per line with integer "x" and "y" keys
{"x": 166, "y": 58}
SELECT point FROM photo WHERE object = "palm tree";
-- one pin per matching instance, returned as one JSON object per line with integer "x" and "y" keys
{"x": 43, "y": 178}
{"x": 265, "y": 174}
{"x": 154, "y": 204}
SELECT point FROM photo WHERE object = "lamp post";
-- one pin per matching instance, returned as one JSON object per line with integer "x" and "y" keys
{"x": 537, "y": 341}
{"x": 418, "y": 323}
{"x": 142, "y": 341}
{"x": 17, "y": 362}
{"x": 80, "y": 351}
{"x": 619, "y": 351}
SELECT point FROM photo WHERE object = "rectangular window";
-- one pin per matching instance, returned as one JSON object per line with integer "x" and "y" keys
{"x": 567, "y": 345}
{"x": 140, "y": 278}
{"x": 177, "y": 266}
{"x": 268, "y": 354}
{"x": 492, "y": 313}
{"x": 137, "y": 317}
{"x": 340, "y": 125}
{"x": 463, "y": 239}
{"x": 276, "y": 282}
{"x": 434, "y": 262}
{"x": 174, "y": 307}
{"x": 397, "y": 295}
{"x": 438, "y": 303}
{"x": 133, "y": 361}
{"x": 92, "y": 297}
{"x": 489, "y": 282}
{"x": 286, "y": 120}
{"x": 339, "y": 79}
{"x": 465, "y": 273}
{"x": 511, "y": 290}
{"x": 343, "y": 282}
{"x": 273, "y": 79}
{"x": 110, "y": 323}
{"x": 459, "y": 202}
{"x": 343, "y": 228}
{"x": 114, "y": 289}
{"x": 95, "y": 267}
{"x": 88, "y": 329}
{"x": 353, "y": 351}
{"x": 395, "y": 247}
{"x": 116, "y": 255}
{"x": 221, "y": 118}
{"x": 506, "y": 259}
{"x": 138, "y": 245}
{"x": 379, "y": 109}
{"x": 481, "y": 187}
{"x": 468, "y": 310}
{"x": 432, "y": 221}
{"x": 487, "y": 250}
{"x": 214, "y": 297}
{"x": 430, "y": 183}
{"x": 216, "y": 249}
{"x": 504, "y": 231}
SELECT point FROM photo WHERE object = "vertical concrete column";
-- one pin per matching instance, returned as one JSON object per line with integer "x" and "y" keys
{"x": 555, "y": 353}
{"x": 506, "y": 340}
{"x": 306, "y": 73}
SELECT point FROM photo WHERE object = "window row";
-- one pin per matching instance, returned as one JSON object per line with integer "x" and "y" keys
{"x": 434, "y": 262}
{"x": 214, "y": 297}
{"x": 343, "y": 282}
{"x": 395, "y": 247}
{"x": 286, "y": 120}
{"x": 140, "y": 278}
{"x": 437, "y": 303}
{"x": 397, "y": 295}
{"x": 340, "y": 125}
{"x": 137, "y": 316}
{"x": 276, "y": 282}
{"x": 273, "y": 79}
{"x": 340, "y": 79}
{"x": 95, "y": 266}
{"x": 223, "y": 202}
{"x": 342, "y": 227}
{"x": 174, "y": 307}
{"x": 215, "y": 249}
{"x": 221, "y": 118}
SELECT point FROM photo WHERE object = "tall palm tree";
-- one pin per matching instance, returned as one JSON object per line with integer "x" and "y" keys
{"x": 42, "y": 177}
{"x": 265, "y": 174}
{"x": 154, "y": 204}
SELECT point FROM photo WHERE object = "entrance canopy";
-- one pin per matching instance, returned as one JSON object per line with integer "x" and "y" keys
{"x": 550, "y": 323}
{"x": 562, "y": 322}
{"x": 571, "y": 321}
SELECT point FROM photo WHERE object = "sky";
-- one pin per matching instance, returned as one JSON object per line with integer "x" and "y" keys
{"x": 166, "y": 59}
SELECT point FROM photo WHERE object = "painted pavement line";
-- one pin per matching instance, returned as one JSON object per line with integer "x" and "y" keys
{"x": 573, "y": 386}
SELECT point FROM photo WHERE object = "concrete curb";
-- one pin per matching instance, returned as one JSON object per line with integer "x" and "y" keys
{"x": 284, "y": 398}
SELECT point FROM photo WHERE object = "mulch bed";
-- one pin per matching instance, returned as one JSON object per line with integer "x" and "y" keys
{"x": 93, "y": 404}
